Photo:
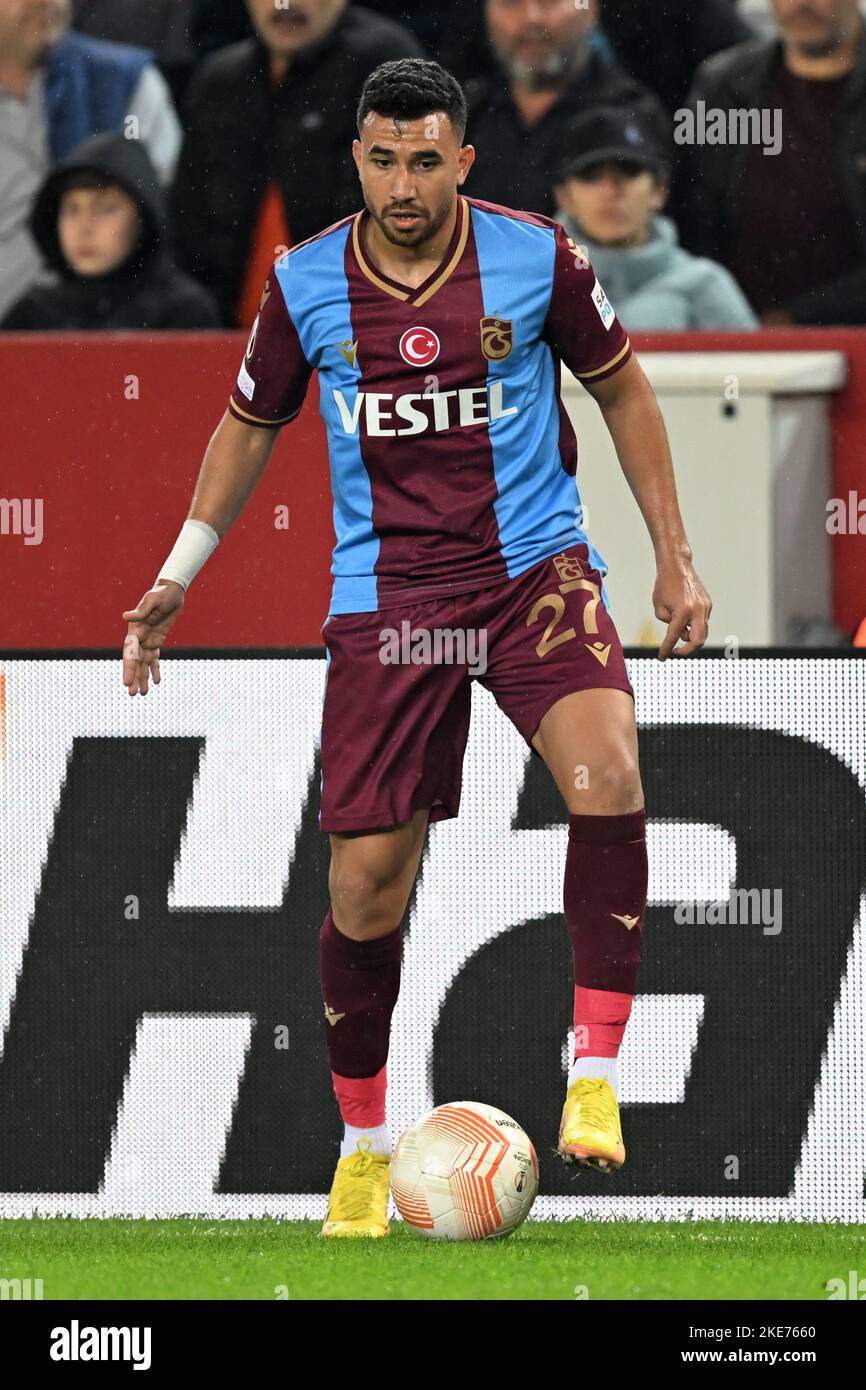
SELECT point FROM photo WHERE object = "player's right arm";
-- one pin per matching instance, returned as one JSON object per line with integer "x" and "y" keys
{"x": 270, "y": 391}
{"x": 233, "y": 463}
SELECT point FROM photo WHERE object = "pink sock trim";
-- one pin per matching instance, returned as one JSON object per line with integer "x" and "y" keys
{"x": 600, "y": 1017}
{"x": 361, "y": 1098}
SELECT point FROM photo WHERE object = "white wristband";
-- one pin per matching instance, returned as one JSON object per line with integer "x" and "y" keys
{"x": 195, "y": 543}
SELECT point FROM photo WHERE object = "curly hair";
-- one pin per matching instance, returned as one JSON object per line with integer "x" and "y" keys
{"x": 411, "y": 88}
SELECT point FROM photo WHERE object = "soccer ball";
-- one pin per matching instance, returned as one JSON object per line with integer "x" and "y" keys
{"x": 464, "y": 1171}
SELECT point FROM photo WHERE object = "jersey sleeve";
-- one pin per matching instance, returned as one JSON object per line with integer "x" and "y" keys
{"x": 581, "y": 326}
{"x": 274, "y": 374}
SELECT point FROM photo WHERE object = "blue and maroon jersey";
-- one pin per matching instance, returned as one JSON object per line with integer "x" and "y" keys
{"x": 452, "y": 457}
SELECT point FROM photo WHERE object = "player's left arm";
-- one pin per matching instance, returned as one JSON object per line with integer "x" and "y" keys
{"x": 632, "y": 415}
{"x": 583, "y": 330}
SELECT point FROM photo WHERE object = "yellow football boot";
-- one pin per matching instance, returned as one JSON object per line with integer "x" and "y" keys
{"x": 590, "y": 1131}
{"x": 358, "y": 1205}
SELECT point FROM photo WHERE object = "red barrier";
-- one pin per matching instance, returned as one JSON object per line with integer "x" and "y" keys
{"x": 109, "y": 432}
{"x": 116, "y": 471}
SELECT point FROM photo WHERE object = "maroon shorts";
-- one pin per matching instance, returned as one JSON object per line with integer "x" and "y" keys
{"x": 398, "y": 687}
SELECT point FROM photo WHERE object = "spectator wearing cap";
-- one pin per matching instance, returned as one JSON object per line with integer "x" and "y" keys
{"x": 267, "y": 157}
{"x": 56, "y": 89}
{"x": 790, "y": 223}
{"x": 554, "y": 63}
{"x": 611, "y": 190}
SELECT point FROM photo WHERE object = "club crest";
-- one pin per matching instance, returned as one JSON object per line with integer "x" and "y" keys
{"x": 497, "y": 338}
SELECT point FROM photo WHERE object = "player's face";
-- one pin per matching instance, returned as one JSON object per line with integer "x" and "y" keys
{"x": 538, "y": 39}
{"x": 287, "y": 26}
{"x": 817, "y": 28}
{"x": 612, "y": 203}
{"x": 30, "y": 28}
{"x": 410, "y": 172}
{"x": 98, "y": 229}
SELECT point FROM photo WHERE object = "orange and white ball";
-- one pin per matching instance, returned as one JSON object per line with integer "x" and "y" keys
{"x": 464, "y": 1171}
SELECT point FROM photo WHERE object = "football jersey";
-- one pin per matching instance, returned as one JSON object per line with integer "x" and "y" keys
{"x": 452, "y": 458}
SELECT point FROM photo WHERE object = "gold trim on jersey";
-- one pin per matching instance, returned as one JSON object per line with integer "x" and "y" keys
{"x": 257, "y": 420}
{"x": 453, "y": 263}
{"x": 366, "y": 268}
{"x": 437, "y": 284}
{"x": 587, "y": 376}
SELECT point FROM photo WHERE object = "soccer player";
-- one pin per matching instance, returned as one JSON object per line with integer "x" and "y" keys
{"x": 437, "y": 324}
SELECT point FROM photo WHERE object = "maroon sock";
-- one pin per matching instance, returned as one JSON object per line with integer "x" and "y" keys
{"x": 360, "y": 984}
{"x": 605, "y": 900}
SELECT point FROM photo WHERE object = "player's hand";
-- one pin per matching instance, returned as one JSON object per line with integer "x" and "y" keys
{"x": 149, "y": 625}
{"x": 681, "y": 601}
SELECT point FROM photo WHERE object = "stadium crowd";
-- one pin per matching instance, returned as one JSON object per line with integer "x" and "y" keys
{"x": 156, "y": 155}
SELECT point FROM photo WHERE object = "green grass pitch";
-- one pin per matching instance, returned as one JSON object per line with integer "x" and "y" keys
{"x": 201, "y": 1259}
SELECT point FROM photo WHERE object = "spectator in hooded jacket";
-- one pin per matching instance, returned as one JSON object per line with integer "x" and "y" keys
{"x": 99, "y": 221}
{"x": 612, "y": 187}
{"x": 56, "y": 88}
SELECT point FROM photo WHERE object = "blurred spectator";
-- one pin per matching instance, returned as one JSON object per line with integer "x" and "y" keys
{"x": 554, "y": 63}
{"x": 267, "y": 158}
{"x": 56, "y": 88}
{"x": 99, "y": 221}
{"x": 660, "y": 44}
{"x": 664, "y": 43}
{"x": 612, "y": 185}
{"x": 790, "y": 224}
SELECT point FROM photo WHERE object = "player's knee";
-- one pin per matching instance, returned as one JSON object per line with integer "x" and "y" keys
{"x": 367, "y": 899}
{"x": 614, "y": 786}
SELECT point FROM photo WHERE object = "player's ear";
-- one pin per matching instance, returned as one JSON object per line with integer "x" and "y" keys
{"x": 356, "y": 154}
{"x": 465, "y": 160}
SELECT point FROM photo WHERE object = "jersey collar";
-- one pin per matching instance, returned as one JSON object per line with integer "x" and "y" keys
{"x": 434, "y": 282}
